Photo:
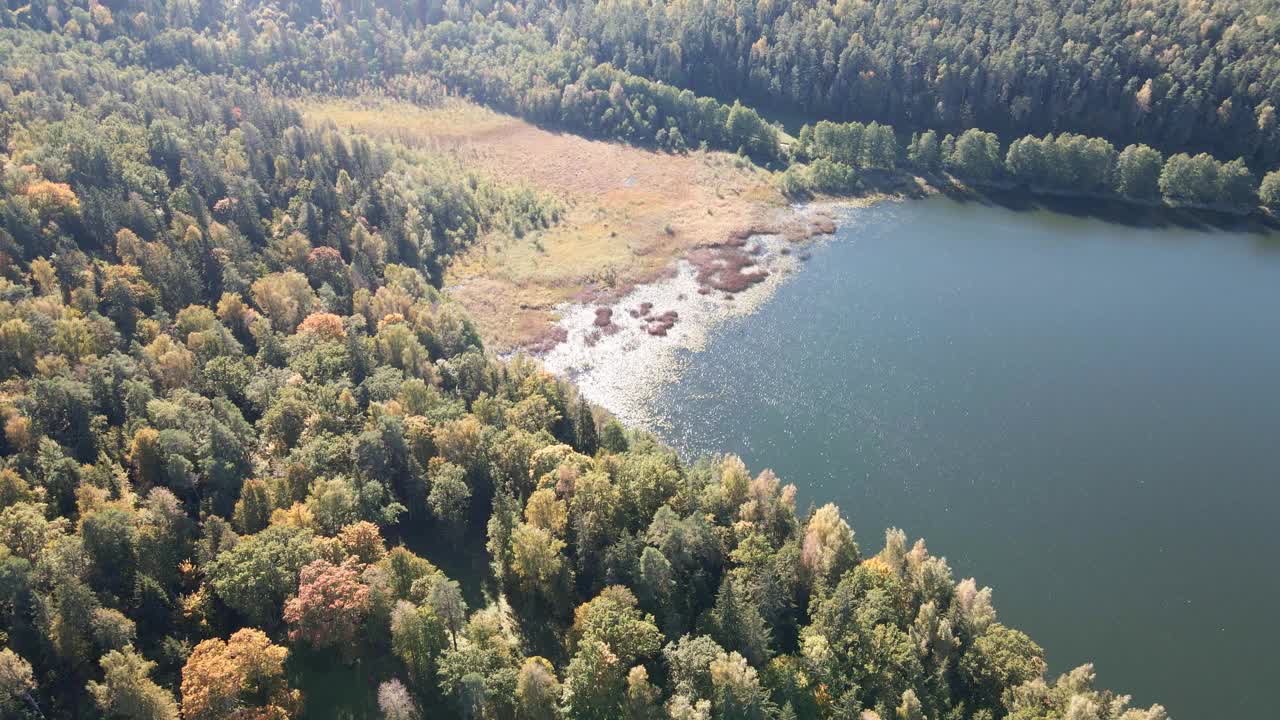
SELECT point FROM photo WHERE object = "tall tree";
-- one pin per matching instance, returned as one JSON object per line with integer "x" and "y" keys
{"x": 330, "y": 607}
{"x": 127, "y": 691}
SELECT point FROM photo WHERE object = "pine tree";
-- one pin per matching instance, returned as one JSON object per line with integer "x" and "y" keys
{"x": 736, "y": 624}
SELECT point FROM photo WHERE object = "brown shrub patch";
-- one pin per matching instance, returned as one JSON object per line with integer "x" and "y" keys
{"x": 547, "y": 339}
{"x": 726, "y": 268}
{"x": 823, "y": 225}
{"x": 739, "y": 236}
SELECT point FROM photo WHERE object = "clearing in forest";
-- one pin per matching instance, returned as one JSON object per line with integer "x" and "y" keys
{"x": 630, "y": 213}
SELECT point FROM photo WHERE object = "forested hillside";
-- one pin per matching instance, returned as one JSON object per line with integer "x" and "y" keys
{"x": 256, "y": 464}
{"x": 1174, "y": 103}
{"x": 1180, "y": 76}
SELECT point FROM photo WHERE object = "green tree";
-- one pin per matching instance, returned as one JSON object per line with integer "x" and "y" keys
{"x": 999, "y": 659}
{"x": 418, "y": 638}
{"x": 689, "y": 661}
{"x": 595, "y": 687}
{"x": 584, "y": 427}
{"x": 499, "y": 530}
{"x": 736, "y": 624}
{"x": 110, "y": 541}
{"x": 748, "y": 131}
{"x": 614, "y": 618}
{"x": 1237, "y": 186}
{"x": 1187, "y": 180}
{"x": 613, "y": 437}
{"x": 879, "y": 147}
{"x": 537, "y": 690}
{"x": 444, "y": 597}
{"x": 1269, "y": 192}
{"x": 833, "y": 177}
{"x": 1138, "y": 172}
{"x": 976, "y": 156}
{"x": 253, "y": 509}
{"x": 482, "y": 670}
{"x": 1026, "y": 161}
{"x": 111, "y": 630}
{"x": 256, "y": 576}
{"x": 656, "y": 581}
{"x": 737, "y": 689}
{"x": 924, "y": 152}
{"x": 128, "y": 692}
{"x": 838, "y": 142}
{"x": 334, "y": 503}
{"x": 449, "y": 496}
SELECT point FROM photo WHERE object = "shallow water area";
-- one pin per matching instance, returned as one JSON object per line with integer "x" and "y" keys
{"x": 622, "y": 366}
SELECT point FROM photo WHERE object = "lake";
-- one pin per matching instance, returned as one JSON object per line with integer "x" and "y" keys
{"x": 1083, "y": 415}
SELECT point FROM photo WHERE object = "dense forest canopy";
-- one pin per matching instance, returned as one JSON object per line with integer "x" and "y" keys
{"x": 1180, "y": 76}
{"x": 1186, "y": 88}
{"x": 247, "y": 439}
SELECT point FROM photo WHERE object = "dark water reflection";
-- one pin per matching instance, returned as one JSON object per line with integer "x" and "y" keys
{"x": 1083, "y": 415}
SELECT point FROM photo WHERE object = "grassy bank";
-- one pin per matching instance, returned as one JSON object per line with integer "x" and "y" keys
{"x": 629, "y": 211}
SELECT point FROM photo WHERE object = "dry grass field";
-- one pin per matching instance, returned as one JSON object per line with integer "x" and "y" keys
{"x": 630, "y": 212}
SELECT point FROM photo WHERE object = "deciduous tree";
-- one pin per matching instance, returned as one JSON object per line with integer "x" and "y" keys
{"x": 395, "y": 702}
{"x": 243, "y": 675}
{"x": 1269, "y": 193}
{"x": 418, "y": 637}
{"x": 261, "y": 571}
{"x": 330, "y": 606}
{"x": 17, "y": 684}
{"x": 1138, "y": 172}
{"x": 128, "y": 692}
{"x": 537, "y": 690}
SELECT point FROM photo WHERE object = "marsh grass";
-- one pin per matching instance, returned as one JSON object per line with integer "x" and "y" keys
{"x": 626, "y": 214}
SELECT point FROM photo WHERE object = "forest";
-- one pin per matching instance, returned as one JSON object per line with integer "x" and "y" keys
{"x": 584, "y": 68}
{"x": 1179, "y": 76}
{"x": 257, "y": 464}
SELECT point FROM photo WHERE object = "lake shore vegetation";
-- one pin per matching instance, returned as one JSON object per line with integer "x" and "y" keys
{"x": 258, "y": 463}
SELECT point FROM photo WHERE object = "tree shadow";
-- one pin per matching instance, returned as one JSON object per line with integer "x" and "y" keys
{"x": 463, "y": 557}
{"x": 1116, "y": 211}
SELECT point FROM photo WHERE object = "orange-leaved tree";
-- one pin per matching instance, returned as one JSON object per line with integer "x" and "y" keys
{"x": 242, "y": 677}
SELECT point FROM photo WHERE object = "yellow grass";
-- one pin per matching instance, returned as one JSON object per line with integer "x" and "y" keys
{"x": 631, "y": 212}
{"x": 451, "y": 122}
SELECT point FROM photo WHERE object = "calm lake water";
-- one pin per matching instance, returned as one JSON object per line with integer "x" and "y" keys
{"x": 1084, "y": 416}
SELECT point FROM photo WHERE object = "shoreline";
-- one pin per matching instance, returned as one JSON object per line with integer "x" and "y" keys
{"x": 621, "y": 351}
{"x": 602, "y": 344}
{"x": 1111, "y": 207}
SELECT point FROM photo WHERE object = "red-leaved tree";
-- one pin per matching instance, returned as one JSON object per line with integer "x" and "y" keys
{"x": 330, "y": 606}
